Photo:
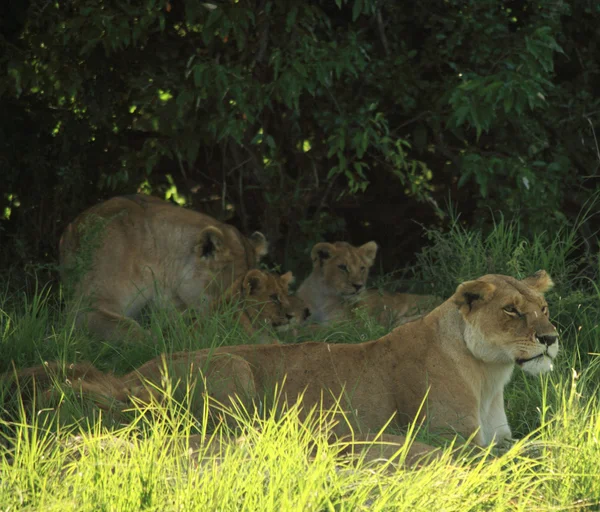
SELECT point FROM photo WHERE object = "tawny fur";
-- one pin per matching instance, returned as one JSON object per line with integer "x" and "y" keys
{"x": 261, "y": 299}
{"x": 337, "y": 285}
{"x": 128, "y": 251}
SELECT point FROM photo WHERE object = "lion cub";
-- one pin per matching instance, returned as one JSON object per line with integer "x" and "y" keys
{"x": 262, "y": 300}
{"x": 337, "y": 285}
{"x": 126, "y": 252}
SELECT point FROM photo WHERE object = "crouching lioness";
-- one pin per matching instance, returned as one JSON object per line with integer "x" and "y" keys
{"x": 459, "y": 357}
{"x": 128, "y": 251}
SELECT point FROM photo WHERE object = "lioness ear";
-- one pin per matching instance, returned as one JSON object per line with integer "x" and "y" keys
{"x": 540, "y": 281}
{"x": 287, "y": 278}
{"x": 470, "y": 293}
{"x": 260, "y": 244}
{"x": 369, "y": 251}
{"x": 322, "y": 251}
{"x": 253, "y": 281}
{"x": 211, "y": 242}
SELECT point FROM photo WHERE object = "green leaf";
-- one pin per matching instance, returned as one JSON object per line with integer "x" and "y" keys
{"x": 461, "y": 114}
{"x": 357, "y": 9}
{"x": 508, "y": 101}
{"x": 198, "y": 71}
{"x": 463, "y": 179}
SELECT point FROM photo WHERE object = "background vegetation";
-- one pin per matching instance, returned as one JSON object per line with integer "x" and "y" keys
{"x": 305, "y": 119}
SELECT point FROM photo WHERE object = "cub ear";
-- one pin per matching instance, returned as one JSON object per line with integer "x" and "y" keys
{"x": 287, "y": 278}
{"x": 260, "y": 244}
{"x": 540, "y": 281}
{"x": 322, "y": 251}
{"x": 210, "y": 242}
{"x": 253, "y": 281}
{"x": 369, "y": 251}
{"x": 472, "y": 293}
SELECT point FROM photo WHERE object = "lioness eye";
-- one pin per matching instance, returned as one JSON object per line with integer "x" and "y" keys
{"x": 275, "y": 298}
{"x": 511, "y": 310}
{"x": 545, "y": 310}
{"x": 342, "y": 267}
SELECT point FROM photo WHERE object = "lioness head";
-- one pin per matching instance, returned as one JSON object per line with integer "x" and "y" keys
{"x": 507, "y": 320}
{"x": 343, "y": 268}
{"x": 227, "y": 254}
{"x": 267, "y": 300}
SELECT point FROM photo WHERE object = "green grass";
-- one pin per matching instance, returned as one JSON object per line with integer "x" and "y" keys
{"x": 67, "y": 455}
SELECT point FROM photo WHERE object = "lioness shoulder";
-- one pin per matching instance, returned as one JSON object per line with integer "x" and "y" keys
{"x": 128, "y": 251}
{"x": 337, "y": 285}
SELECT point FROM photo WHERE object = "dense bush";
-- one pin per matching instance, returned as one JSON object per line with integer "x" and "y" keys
{"x": 306, "y": 119}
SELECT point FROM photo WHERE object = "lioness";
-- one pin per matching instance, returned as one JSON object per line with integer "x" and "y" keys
{"x": 458, "y": 357}
{"x": 338, "y": 281}
{"x": 127, "y": 251}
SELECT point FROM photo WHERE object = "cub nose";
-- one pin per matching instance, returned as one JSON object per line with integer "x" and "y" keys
{"x": 305, "y": 313}
{"x": 288, "y": 316}
{"x": 548, "y": 339}
{"x": 357, "y": 286}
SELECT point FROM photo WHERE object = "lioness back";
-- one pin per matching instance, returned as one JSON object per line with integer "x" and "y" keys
{"x": 337, "y": 285}
{"x": 127, "y": 251}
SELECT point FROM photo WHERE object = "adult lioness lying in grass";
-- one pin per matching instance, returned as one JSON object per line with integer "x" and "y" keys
{"x": 337, "y": 285}
{"x": 128, "y": 251}
{"x": 459, "y": 357}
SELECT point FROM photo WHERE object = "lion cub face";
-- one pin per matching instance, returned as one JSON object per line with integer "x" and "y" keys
{"x": 343, "y": 268}
{"x": 507, "y": 320}
{"x": 267, "y": 300}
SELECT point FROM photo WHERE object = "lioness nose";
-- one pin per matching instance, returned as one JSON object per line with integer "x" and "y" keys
{"x": 306, "y": 313}
{"x": 288, "y": 316}
{"x": 548, "y": 339}
{"x": 357, "y": 286}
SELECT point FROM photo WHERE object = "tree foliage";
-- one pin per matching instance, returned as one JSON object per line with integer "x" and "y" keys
{"x": 291, "y": 116}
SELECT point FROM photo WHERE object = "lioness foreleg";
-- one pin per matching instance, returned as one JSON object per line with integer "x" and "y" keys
{"x": 108, "y": 325}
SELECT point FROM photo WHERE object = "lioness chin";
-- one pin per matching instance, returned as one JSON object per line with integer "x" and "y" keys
{"x": 456, "y": 360}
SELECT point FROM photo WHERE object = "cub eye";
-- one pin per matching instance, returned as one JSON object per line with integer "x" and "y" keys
{"x": 512, "y": 311}
{"x": 275, "y": 298}
{"x": 343, "y": 268}
{"x": 362, "y": 269}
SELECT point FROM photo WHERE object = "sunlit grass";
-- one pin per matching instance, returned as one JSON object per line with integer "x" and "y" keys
{"x": 162, "y": 461}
